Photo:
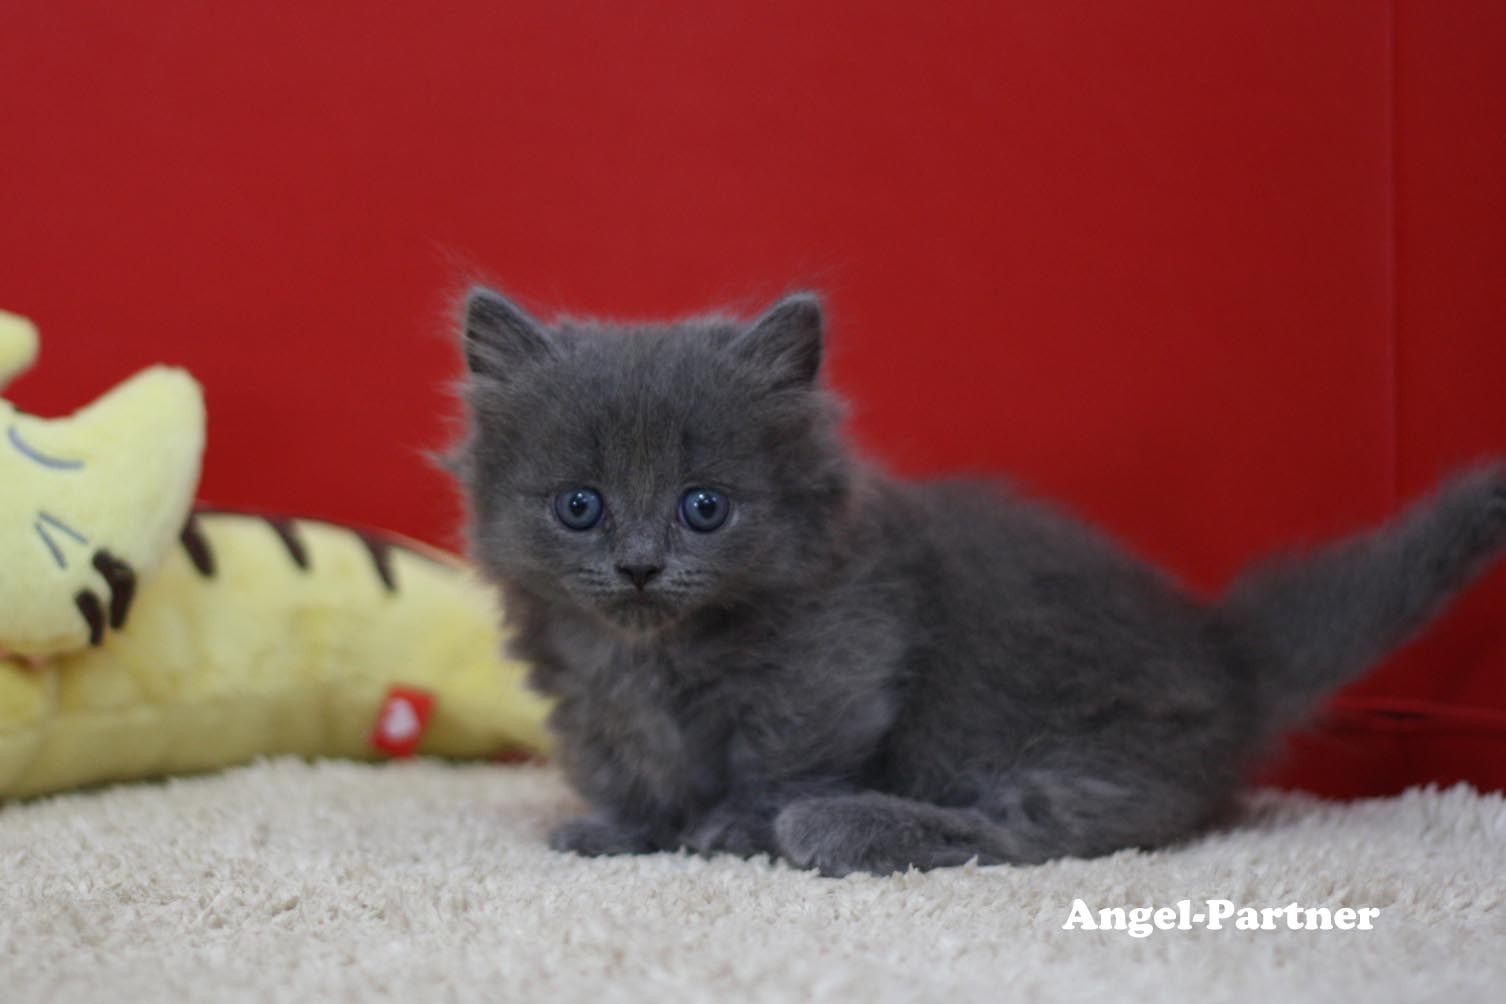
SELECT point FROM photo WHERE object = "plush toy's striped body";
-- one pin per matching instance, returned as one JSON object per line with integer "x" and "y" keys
{"x": 259, "y": 636}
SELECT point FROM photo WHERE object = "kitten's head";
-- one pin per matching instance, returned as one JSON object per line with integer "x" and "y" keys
{"x": 644, "y": 473}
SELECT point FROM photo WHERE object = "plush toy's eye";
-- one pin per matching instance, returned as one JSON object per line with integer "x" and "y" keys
{"x": 32, "y": 453}
{"x": 704, "y": 510}
{"x": 579, "y": 508}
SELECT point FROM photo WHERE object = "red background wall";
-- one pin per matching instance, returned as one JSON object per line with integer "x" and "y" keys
{"x": 1222, "y": 276}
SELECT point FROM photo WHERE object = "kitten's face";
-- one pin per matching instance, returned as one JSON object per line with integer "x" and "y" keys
{"x": 644, "y": 474}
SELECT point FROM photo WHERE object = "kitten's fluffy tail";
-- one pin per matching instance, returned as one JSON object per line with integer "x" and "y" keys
{"x": 1311, "y": 623}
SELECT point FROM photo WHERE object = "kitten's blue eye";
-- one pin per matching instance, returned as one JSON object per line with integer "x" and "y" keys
{"x": 703, "y": 510}
{"x": 578, "y": 508}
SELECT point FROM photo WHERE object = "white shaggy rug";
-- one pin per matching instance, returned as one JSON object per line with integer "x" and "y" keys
{"x": 422, "y": 881}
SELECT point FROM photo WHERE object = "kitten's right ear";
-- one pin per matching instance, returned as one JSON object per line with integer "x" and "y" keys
{"x": 499, "y": 337}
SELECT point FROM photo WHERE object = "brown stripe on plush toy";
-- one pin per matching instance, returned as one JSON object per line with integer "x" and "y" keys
{"x": 197, "y": 547}
{"x": 122, "y": 582}
{"x": 379, "y": 546}
{"x": 380, "y": 550}
{"x": 88, "y": 605}
{"x": 287, "y": 532}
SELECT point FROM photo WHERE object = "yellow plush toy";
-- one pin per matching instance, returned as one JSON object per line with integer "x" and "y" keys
{"x": 215, "y": 638}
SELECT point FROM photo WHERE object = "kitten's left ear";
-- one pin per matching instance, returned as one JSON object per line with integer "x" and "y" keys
{"x": 786, "y": 340}
{"x": 499, "y": 337}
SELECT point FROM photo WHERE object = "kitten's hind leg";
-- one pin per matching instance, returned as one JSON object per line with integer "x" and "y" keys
{"x": 1031, "y": 815}
{"x": 882, "y": 834}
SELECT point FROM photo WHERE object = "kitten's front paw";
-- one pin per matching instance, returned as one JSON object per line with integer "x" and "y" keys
{"x": 741, "y": 833}
{"x": 807, "y": 839}
{"x": 881, "y": 835}
{"x": 593, "y": 836}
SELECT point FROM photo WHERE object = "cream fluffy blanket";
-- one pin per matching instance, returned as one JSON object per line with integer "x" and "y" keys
{"x": 423, "y": 881}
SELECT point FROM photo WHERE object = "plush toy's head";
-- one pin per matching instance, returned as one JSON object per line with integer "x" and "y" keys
{"x": 89, "y": 501}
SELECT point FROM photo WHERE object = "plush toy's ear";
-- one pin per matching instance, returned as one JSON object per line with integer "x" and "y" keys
{"x": 786, "y": 341}
{"x": 18, "y": 346}
{"x": 499, "y": 337}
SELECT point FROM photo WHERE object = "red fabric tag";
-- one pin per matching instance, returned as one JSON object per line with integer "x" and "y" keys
{"x": 402, "y": 721}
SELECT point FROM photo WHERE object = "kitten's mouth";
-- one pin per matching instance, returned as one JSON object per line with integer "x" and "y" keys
{"x": 639, "y": 611}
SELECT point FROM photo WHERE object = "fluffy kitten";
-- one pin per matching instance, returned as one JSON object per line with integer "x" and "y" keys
{"x": 758, "y": 644}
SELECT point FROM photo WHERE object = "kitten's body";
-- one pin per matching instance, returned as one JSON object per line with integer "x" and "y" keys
{"x": 863, "y": 674}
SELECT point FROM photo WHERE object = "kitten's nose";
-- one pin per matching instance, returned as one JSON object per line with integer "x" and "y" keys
{"x": 639, "y": 574}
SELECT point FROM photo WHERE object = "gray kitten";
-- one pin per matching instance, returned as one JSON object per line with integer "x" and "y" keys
{"x": 759, "y": 644}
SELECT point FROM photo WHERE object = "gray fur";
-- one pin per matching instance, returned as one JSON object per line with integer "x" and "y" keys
{"x": 862, "y": 674}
